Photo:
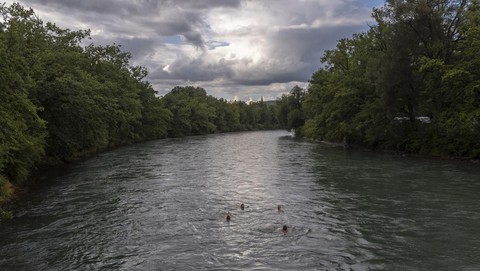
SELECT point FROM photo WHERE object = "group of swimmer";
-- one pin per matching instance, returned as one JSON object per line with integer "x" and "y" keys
{"x": 284, "y": 229}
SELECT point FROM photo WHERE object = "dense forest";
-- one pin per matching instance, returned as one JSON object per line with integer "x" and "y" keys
{"x": 409, "y": 84}
{"x": 60, "y": 100}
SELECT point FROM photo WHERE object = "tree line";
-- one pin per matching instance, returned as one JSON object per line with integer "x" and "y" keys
{"x": 411, "y": 83}
{"x": 60, "y": 100}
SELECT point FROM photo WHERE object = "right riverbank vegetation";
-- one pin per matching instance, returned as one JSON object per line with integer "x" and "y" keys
{"x": 411, "y": 83}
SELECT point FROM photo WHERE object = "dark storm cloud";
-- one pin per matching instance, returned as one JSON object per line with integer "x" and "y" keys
{"x": 167, "y": 17}
{"x": 141, "y": 7}
{"x": 180, "y": 22}
{"x": 104, "y": 7}
{"x": 194, "y": 38}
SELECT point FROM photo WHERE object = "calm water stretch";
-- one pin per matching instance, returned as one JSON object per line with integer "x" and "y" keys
{"x": 161, "y": 206}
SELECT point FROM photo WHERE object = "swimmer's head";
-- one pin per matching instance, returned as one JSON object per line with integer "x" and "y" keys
{"x": 285, "y": 228}
{"x": 279, "y": 207}
{"x": 228, "y": 217}
{"x": 242, "y": 206}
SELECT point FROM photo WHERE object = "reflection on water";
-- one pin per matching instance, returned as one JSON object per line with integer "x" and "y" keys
{"x": 161, "y": 206}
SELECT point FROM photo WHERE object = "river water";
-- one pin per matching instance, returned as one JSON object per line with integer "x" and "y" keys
{"x": 161, "y": 205}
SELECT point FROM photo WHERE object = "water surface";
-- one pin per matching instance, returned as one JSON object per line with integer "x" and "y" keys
{"x": 161, "y": 205}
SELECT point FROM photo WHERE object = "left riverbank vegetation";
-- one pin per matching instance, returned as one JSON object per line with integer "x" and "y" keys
{"x": 61, "y": 100}
{"x": 411, "y": 83}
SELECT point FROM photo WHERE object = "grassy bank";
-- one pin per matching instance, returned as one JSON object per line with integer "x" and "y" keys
{"x": 6, "y": 194}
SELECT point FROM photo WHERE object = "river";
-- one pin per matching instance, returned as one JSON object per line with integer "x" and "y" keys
{"x": 161, "y": 205}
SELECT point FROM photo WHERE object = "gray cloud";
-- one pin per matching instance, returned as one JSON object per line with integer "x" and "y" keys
{"x": 166, "y": 17}
{"x": 204, "y": 4}
{"x": 233, "y": 47}
{"x": 139, "y": 47}
{"x": 114, "y": 7}
{"x": 308, "y": 45}
{"x": 128, "y": 7}
{"x": 194, "y": 70}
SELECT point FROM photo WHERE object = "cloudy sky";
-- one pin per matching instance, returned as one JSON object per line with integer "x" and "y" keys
{"x": 232, "y": 48}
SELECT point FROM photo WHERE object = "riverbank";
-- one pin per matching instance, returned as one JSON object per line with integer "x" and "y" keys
{"x": 10, "y": 192}
{"x": 6, "y": 195}
{"x": 397, "y": 152}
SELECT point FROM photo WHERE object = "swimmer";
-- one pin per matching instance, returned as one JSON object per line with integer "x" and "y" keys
{"x": 227, "y": 216}
{"x": 284, "y": 229}
{"x": 242, "y": 206}
{"x": 280, "y": 208}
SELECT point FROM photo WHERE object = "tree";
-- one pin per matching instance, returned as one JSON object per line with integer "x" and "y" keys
{"x": 410, "y": 83}
{"x": 22, "y": 132}
{"x": 289, "y": 112}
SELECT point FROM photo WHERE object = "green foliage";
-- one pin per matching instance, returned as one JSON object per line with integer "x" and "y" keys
{"x": 64, "y": 101}
{"x": 3, "y": 189}
{"x": 420, "y": 60}
{"x": 22, "y": 132}
{"x": 290, "y": 112}
{"x": 196, "y": 113}
{"x": 155, "y": 119}
{"x": 5, "y": 215}
{"x": 5, "y": 194}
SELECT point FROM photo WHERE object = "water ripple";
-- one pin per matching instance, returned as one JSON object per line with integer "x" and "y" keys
{"x": 161, "y": 206}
